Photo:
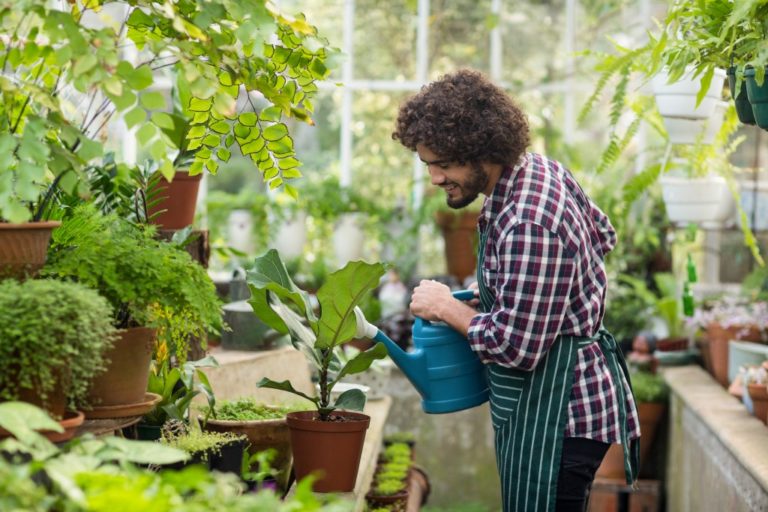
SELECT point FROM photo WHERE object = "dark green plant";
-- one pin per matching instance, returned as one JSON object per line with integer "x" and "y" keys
{"x": 52, "y": 332}
{"x": 279, "y": 303}
{"x": 195, "y": 441}
{"x": 147, "y": 281}
{"x": 649, "y": 387}
{"x": 177, "y": 387}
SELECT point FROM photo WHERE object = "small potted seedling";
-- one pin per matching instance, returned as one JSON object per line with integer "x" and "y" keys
{"x": 222, "y": 451}
{"x": 328, "y": 440}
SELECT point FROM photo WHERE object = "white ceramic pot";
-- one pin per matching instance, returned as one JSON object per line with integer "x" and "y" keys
{"x": 703, "y": 200}
{"x": 291, "y": 237}
{"x": 348, "y": 238}
{"x": 679, "y": 99}
{"x": 689, "y": 131}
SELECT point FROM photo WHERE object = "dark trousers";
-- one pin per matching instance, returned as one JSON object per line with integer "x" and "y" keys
{"x": 581, "y": 458}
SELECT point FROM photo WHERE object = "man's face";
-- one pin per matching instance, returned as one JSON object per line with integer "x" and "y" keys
{"x": 462, "y": 182}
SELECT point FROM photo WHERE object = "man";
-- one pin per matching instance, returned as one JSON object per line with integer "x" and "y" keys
{"x": 560, "y": 394}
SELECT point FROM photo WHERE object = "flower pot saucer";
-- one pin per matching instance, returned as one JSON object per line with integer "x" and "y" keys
{"x": 125, "y": 410}
{"x": 71, "y": 421}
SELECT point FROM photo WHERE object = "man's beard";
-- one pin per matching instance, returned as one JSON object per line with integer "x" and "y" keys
{"x": 475, "y": 184}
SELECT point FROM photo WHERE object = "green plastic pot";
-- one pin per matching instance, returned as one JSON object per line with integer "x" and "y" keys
{"x": 758, "y": 97}
{"x": 740, "y": 99}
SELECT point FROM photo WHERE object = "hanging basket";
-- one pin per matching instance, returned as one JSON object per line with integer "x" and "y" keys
{"x": 701, "y": 200}
{"x": 740, "y": 99}
{"x": 678, "y": 99}
{"x": 758, "y": 97}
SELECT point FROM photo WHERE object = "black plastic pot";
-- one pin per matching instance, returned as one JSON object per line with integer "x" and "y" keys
{"x": 740, "y": 99}
{"x": 758, "y": 97}
{"x": 229, "y": 458}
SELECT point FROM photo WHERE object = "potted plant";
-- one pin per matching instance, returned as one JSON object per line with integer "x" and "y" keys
{"x": 725, "y": 319}
{"x": 329, "y": 439}
{"x": 53, "y": 340}
{"x": 222, "y": 451}
{"x": 264, "y": 425}
{"x": 153, "y": 286}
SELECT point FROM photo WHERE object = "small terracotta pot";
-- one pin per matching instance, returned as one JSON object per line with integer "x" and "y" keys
{"x": 23, "y": 248}
{"x": 719, "y": 339}
{"x": 178, "y": 200}
{"x": 332, "y": 449}
{"x": 759, "y": 395}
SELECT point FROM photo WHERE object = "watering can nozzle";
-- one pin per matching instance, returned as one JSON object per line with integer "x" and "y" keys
{"x": 364, "y": 328}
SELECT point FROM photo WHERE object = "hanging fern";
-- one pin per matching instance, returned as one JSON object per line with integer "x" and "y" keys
{"x": 639, "y": 183}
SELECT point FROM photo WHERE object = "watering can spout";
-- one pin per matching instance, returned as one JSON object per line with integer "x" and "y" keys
{"x": 413, "y": 364}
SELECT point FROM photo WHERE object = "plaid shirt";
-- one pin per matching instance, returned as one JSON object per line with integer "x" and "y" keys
{"x": 544, "y": 264}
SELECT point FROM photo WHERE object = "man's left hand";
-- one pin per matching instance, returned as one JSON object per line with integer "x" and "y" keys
{"x": 429, "y": 300}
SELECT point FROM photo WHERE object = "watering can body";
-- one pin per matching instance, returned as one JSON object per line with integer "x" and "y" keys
{"x": 443, "y": 368}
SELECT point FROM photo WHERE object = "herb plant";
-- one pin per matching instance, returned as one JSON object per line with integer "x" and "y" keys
{"x": 51, "y": 332}
{"x": 246, "y": 409}
{"x": 279, "y": 303}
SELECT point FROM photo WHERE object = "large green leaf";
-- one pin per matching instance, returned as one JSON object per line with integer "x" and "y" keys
{"x": 342, "y": 291}
{"x": 352, "y": 400}
{"x": 363, "y": 360}
{"x": 284, "y": 386}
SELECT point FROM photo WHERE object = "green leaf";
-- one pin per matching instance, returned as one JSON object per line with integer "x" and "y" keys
{"x": 84, "y": 64}
{"x": 221, "y": 127}
{"x": 242, "y": 131}
{"x": 134, "y": 117}
{"x": 284, "y": 386}
{"x": 248, "y": 118}
{"x": 252, "y": 147}
{"x": 89, "y": 149}
{"x": 200, "y": 105}
{"x": 145, "y": 133}
{"x": 196, "y": 132}
{"x": 212, "y": 140}
{"x": 272, "y": 114}
{"x": 212, "y": 166}
{"x": 162, "y": 120}
{"x": 140, "y": 78}
{"x": 223, "y": 154}
{"x": 124, "y": 101}
{"x": 288, "y": 163}
{"x": 342, "y": 291}
{"x": 363, "y": 360}
{"x": 275, "y": 132}
{"x": 153, "y": 100}
{"x": 352, "y": 400}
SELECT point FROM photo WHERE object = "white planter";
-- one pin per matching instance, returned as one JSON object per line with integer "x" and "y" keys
{"x": 703, "y": 200}
{"x": 689, "y": 131}
{"x": 240, "y": 231}
{"x": 291, "y": 237}
{"x": 679, "y": 99}
{"x": 348, "y": 238}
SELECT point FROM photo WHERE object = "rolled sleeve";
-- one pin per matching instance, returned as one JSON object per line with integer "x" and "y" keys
{"x": 532, "y": 290}
{"x": 605, "y": 228}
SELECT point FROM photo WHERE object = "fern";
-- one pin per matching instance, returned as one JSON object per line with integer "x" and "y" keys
{"x": 640, "y": 183}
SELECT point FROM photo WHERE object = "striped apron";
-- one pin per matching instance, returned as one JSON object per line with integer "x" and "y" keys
{"x": 529, "y": 411}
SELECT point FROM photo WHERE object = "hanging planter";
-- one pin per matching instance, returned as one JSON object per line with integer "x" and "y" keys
{"x": 758, "y": 97}
{"x": 705, "y": 200}
{"x": 176, "y": 201}
{"x": 740, "y": 98}
{"x": 678, "y": 99}
{"x": 691, "y": 131}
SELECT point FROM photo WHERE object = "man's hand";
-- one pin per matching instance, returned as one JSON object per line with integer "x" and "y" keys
{"x": 429, "y": 300}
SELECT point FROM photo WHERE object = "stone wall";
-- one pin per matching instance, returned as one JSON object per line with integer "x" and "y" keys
{"x": 718, "y": 452}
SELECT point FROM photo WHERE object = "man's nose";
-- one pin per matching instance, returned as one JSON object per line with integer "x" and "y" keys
{"x": 436, "y": 175}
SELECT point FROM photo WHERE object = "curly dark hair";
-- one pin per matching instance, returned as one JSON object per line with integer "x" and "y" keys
{"x": 464, "y": 117}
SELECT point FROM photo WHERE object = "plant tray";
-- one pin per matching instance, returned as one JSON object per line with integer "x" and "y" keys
{"x": 125, "y": 410}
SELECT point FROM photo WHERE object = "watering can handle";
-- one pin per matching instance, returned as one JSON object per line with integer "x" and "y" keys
{"x": 460, "y": 295}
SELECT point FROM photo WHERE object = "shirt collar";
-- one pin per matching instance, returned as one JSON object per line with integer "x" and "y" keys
{"x": 501, "y": 191}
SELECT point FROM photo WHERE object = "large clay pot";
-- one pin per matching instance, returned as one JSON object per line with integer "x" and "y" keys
{"x": 23, "y": 248}
{"x": 125, "y": 380}
{"x": 262, "y": 435}
{"x": 719, "y": 338}
{"x": 332, "y": 449}
{"x": 459, "y": 231}
{"x": 70, "y": 422}
{"x": 178, "y": 200}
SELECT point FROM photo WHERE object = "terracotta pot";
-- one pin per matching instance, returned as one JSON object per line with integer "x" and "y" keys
{"x": 331, "y": 449}
{"x": 55, "y": 403}
{"x": 759, "y": 395}
{"x": 71, "y": 422}
{"x": 459, "y": 232}
{"x": 395, "y": 502}
{"x": 719, "y": 339}
{"x": 23, "y": 248}
{"x": 650, "y": 417}
{"x": 262, "y": 435}
{"x": 672, "y": 344}
{"x": 178, "y": 200}
{"x": 125, "y": 380}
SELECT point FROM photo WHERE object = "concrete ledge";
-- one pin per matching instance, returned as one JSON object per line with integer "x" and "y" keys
{"x": 718, "y": 452}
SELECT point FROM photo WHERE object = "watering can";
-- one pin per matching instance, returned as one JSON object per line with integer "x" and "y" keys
{"x": 443, "y": 368}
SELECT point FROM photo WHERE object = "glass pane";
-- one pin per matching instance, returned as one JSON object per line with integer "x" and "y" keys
{"x": 385, "y": 40}
{"x": 459, "y": 35}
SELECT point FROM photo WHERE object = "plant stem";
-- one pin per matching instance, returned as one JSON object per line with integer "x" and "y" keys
{"x": 324, "y": 391}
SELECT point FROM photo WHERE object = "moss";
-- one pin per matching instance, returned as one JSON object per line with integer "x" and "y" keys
{"x": 248, "y": 409}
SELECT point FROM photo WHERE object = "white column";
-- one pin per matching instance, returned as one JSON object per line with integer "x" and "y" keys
{"x": 570, "y": 69}
{"x": 422, "y": 70}
{"x": 495, "y": 63}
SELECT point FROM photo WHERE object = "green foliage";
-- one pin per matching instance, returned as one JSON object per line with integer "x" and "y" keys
{"x": 52, "y": 332}
{"x": 279, "y": 303}
{"x": 98, "y": 475}
{"x": 399, "y": 437}
{"x": 196, "y": 441}
{"x": 649, "y": 387}
{"x": 626, "y": 312}
{"x": 247, "y": 409}
{"x": 665, "y": 300}
{"x": 65, "y": 78}
{"x": 388, "y": 487}
{"x": 147, "y": 281}
{"x": 176, "y": 387}
{"x": 397, "y": 451}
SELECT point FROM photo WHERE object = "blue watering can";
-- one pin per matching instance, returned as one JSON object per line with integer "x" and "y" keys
{"x": 443, "y": 369}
